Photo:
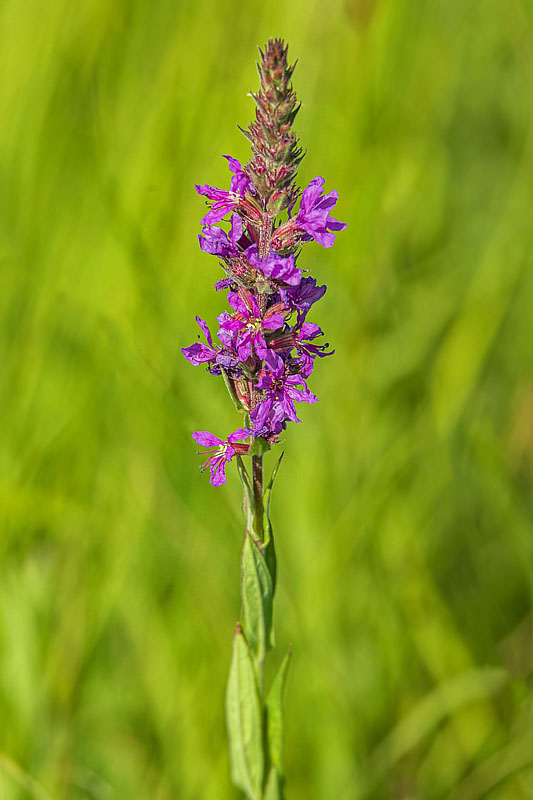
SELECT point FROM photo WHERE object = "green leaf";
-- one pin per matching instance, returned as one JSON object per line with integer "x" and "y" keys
{"x": 269, "y": 549}
{"x": 248, "y": 502}
{"x": 274, "y": 703}
{"x": 231, "y": 391}
{"x": 257, "y": 594}
{"x": 259, "y": 447}
{"x": 269, "y": 552}
{"x": 244, "y": 720}
{"x": 274, "y": 790}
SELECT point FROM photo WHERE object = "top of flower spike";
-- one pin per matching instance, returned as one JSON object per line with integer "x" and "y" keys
{"x": 276, "y": 154}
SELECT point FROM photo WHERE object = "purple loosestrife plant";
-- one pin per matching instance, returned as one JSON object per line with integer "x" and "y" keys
{"x": 265, "y": 351}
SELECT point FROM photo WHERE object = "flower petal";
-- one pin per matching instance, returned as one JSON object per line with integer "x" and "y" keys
{"x": 202, "y": 324}
{"x": 238, "y": 305}
{"x": 199, "y": 353}
{"x": 239, "y": 434}
{"x": 273, "y": 323}
{"x": 217, "y": 469}
{"x": 274, "y": 364}
{"x": 207, "y": 439}
{"x": 309, "y": 331}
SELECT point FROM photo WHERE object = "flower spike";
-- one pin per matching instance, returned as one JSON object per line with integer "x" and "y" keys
{"x": 265, "y": 350}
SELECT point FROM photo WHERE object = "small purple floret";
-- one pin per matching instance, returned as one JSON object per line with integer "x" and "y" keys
{"x": 280, "y": 393}
{"x": 215, "y": 357}
{"x": 222, "y": 201}
{"x": 313, "y": 217}
{"x": 304, "y": 295}
{"x": 199, "y": 353}
{"x": 245, "y": 328}
{"x": 240, "y": 182}
{"x": 275, "y": 267}
{"x": 224, "y": 451}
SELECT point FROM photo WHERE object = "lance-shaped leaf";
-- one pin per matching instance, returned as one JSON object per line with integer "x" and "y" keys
{"x": 259, "y": 446}
{"x": 274, "y": 788}
{"x": 274, "y": 703}
{"x": 231, "y": 391}
{"x": 269, "y": 549}
{"x": 257, "y": 594}
{"x": 248, "y": 502}
{"x": 244, "y": 720}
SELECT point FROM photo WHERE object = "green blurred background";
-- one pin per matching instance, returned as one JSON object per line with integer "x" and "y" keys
{"x": 403, "y": 507}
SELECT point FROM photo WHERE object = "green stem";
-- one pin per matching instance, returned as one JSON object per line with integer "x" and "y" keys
{"x": 257, "y": 480}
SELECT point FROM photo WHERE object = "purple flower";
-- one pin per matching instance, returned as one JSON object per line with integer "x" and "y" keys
{"x": 313, "y": 217}
{"x": 280, "y": 393}
{"x": 275, "y": 267}
{"x": 222, "y": 201}
{"x": 248, "y": 324}
{"x": 304, "y": 295}
{"x": 307, "y": 351}
{"x": 215, "y": 241}
{"x": 225, "y": 283}
{"x": 199, "y": 353}
{"x": 214, "y": 357}
{"x": 224, "y": 451}
{"x": 300, "y": 338}
{"x": 240, "y": 181}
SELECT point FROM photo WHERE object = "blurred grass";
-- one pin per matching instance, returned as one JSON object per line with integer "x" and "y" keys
{"x": 403, "y": 509}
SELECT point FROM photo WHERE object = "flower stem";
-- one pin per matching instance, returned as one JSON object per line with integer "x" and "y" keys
{"x": 257, "y": 480}
{"x": 265, "y": 235}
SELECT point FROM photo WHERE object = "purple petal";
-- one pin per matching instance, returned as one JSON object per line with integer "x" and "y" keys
{"x": 309, "y": 331}
{"x": 240, "y": 433}
{"x": 293, "y": 380}
{"x": 307, "y": 365}
{"x": 265, "y": 381}
{"x": 215, "y": 241}
{"x": 244, "y": 346}
{"x": 287, "y": 406}
{"x": 302, "y": 395}
{"x": 313, "y": 216}
{"x": 311, "y": 194}
{"x": 227, "y": 337}
{"x": 323, "y": 238}
{"x": 240, "y": 182}
{"x": 236, "y": 229}
{"x": 234, "y": 164}
{"x": 198, "y": 353}
{"x": 228, "y": 323}
{"x": 260, "y": 413}
{"x": 205, "y": 190}
{"x": 260, "y": 345}
{"x": 204, "y": 327}
{"x": 303, "y": 296}
{"x": 238, "y": 305}
{"x": 207, "y": 439}
{"x": 217, "y": 214}
{"x": 335, "y": 225}
{"x": 217, "y": 468}
{"x": 274, "y": 364}
{"x": 328, "y": 201}
{"x": 273, "y": 323}
{"x": 225, "y": 283}
{"x": 274, "y": 266}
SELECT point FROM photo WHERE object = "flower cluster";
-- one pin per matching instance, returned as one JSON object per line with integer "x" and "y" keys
{"x": 266, "y": 349}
